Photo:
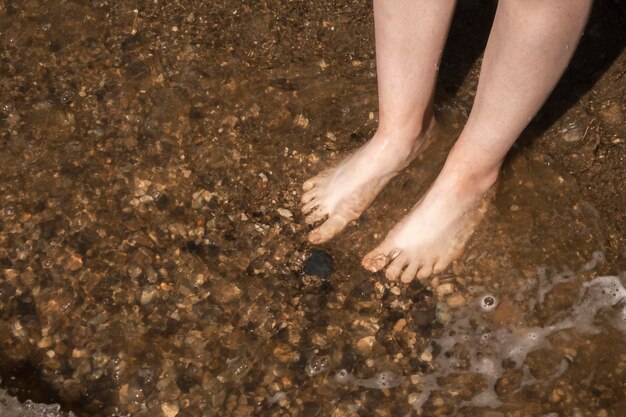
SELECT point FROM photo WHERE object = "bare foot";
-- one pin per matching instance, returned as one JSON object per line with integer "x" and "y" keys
{"x": 436, "y": 230}
{"x": 339, "y": 195}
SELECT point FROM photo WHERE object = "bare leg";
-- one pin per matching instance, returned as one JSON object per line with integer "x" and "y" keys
{"x": 410, "y": 35}
{"x": 529, "y": 47}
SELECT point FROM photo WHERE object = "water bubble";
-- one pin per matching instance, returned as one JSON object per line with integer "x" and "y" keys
{"x": 343, "y": 376}
{"x": 382, "y": 380}
{"x": 488, "y": 303}
{"x": 317, "y": 365}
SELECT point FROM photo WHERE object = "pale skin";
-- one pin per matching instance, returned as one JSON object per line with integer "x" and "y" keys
{"x": 530, "y": 44}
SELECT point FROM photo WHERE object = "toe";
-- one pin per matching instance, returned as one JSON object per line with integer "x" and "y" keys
{"x": 310, "y": 183}
{"x": 309, "y": 195}
{"x": 308, "y": 207}
{"x": 328, "y": 229}
{"x": 441, "y": 265}
{"x": 425, "y": 270}
{"x": 444, "y": 261}
{"x": 378, "y": 258}
{"x": 409, "y": 273}
{"x": 315, "y": 217}
{"x": 395, "y": 268}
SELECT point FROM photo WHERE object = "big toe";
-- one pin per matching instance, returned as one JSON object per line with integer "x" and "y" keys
{"x": 376, "y": 259}
{"x": 333, "y": 225}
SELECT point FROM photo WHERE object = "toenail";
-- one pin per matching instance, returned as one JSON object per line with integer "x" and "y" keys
{"x": 314, "y": 237}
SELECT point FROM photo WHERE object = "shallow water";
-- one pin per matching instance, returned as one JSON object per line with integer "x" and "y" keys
{"x": 153, "y": 253}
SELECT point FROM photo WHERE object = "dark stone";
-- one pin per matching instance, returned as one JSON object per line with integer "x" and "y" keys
{"x": 424, "y": 317}
{"x": 196, "y": 113}
{"x": 318, "y": 264}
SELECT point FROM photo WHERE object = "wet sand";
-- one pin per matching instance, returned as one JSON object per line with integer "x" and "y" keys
{"x": 154, "y": 259}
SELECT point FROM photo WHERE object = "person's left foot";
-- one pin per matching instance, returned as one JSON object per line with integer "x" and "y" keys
{"x": 339, "y": 195}
{"x": 436, "y": 230}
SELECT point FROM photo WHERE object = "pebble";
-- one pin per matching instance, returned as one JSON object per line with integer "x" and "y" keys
{"x": 399, "y": 326}
{"x": 318, "y": 264}
{"x": 456, "y": 300}
{"x": 285, "y": 213}
{"x": 170, "y": 409}
{"x": 572, "y": 132}
{"x": 301, "y": 121}
{"x": 228, "y": 293}
{"x": 445, "y": 289}
{"x": 442, "y": 314}
{"x": 134, "y": 271}
{"x": 148, "y": 295}
{"x": 74, "y": 263}
{"x": 364, "y": 345}
{"x": 611, "y": 114}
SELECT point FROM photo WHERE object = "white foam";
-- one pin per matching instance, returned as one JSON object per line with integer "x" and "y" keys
{"x": 10, "y": 406}
{"x": 488, "y": 347}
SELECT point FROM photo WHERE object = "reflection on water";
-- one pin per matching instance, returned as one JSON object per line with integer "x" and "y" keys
{"x": 154, "y": 260}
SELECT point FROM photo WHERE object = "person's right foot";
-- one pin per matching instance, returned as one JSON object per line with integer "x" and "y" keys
{"x": 436, "y": 230}
{"x": 339, "y": 195}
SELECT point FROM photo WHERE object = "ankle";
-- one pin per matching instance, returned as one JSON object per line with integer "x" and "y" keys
{"x": 408, "y": 128}
{"x": 471, "y": 179}
{"x": 405, "y": 136}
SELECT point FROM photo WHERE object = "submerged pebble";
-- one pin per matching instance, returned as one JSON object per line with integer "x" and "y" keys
{"x": 572, "y": 132}
{"x": 319, "y": 264}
